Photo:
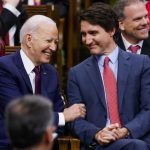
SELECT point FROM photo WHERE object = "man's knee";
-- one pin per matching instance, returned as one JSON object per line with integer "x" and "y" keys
{"x": 136, "y": 144}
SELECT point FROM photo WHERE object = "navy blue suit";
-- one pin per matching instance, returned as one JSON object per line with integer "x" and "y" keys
{"x": 133, "y": 82}
{"x": 15, "y": 82}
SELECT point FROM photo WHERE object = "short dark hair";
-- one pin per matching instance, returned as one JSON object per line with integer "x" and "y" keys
{"x": 100, "y": 14}
{"x": 27, "y": 119}
{"x": 120, "y": 6}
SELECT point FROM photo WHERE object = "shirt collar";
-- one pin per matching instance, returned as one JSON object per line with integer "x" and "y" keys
{"x": 127, "y": 44}
{"x": 28, "y": 64}
{"x": 113, "y": 56}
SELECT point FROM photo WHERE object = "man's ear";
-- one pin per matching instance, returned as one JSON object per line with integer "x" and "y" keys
{"x": 28, "y": 39}
{"x": 121, "y": 25}
{"x": 112, "y": 32}
{"x": 49, "y": 134}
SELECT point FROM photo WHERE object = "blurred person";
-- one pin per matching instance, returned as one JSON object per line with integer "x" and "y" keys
{"x": 134, "y": 26}
{"x": 28, "y": 71}
{"x": 12, "y": 17}
{"x": 117, "y": 90}
{"x": 29, "y": 122}
{"x": 62, "y": 5}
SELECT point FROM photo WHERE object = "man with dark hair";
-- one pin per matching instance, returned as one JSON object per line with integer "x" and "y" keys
{"x": 29, "y": 121}
{"x": 134, "y": 26}
{"x": 116, "y": 95}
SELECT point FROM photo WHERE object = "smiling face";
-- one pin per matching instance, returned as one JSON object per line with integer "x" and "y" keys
{"x": 42, "y": 44}
{"x": 96, "y": 39}
{"x": 135, "y": 25}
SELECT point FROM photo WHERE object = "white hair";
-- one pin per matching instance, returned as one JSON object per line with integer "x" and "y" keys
{"x": 32, "y": 24}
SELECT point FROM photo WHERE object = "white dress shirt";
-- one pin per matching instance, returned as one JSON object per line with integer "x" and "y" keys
{"x": 29, "y": 66}
{"x": 113, "y": 64}
{"x": 127, "y": 45}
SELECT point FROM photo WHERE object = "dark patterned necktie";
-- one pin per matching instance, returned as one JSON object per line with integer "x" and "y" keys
{"x": 37, "y": 79}
{"x": 111, "y": 93}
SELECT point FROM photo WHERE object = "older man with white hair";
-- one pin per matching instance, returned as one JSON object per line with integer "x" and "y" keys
{"x": 28, "y": 72}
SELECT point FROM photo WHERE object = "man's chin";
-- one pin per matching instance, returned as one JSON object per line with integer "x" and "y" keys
{"x": 46, "y": 61}
{"x": 143, "y": 37}
{"x": 95, "y": 52}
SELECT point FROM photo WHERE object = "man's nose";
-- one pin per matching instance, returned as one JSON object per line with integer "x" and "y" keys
{"x": 145, "y": 20}
{"x": 53, "y": 46}
{"x": 88, "y": 40}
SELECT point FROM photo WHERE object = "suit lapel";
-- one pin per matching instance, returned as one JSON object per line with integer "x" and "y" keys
{"x": 95, "y": 77}
{"x": 146, "y": 47}
{"x": 123, "y": 71}
{"x": 120, "y": 42}
{"x": 19, "y": 64}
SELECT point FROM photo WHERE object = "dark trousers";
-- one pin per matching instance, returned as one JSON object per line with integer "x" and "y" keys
{"x": 6, "y": 147}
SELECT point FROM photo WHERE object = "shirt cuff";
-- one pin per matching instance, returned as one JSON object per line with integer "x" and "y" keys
{"x": 12, "y": 9}
{"x": 61, "y": 121}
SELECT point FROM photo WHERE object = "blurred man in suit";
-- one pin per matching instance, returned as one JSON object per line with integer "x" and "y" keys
{"x": 113, "y": 84}
{"x": 12, "y": 17}
{"x": 134, "y": 26}
{"x": 29, "y": 121}
{"x": 28, "y": 71}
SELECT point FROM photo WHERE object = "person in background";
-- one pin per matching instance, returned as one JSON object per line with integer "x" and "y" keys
{"x": 12, "y": 16}
{"x": 134, "y": 26}
{"x": 28, "y": 71}
{"x": 61, "y": 5}
{"x": 29, "y": 122}
{"x": 148, "y": 9}
{"x": 113, "y": 84}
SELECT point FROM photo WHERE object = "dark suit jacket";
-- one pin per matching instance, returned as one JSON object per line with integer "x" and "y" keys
{"x": 14, "y": 82}
{"x": 145, "y": 48}
{"x": 8, "y": 19}
{"x": 133, "y": 81}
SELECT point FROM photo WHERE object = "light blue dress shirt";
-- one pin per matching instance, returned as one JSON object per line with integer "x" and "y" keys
{"x": 113, "y": 64}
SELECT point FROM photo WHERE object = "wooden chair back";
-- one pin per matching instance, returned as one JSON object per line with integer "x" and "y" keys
{"x": 45, "y": 10}
{"x": 11, "y": 49}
